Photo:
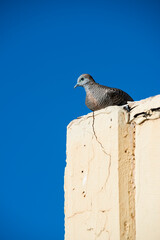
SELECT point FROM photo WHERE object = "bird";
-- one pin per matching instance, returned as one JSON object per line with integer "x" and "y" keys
{"x": 99, "y": 96}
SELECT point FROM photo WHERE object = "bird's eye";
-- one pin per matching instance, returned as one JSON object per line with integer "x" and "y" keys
{"x": 82, "y": 79}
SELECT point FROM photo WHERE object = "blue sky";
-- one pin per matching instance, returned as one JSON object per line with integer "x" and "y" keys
{"x": 44, "y": 47}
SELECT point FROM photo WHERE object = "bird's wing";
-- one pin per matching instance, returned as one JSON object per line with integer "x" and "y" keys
{"x": 117, "y": 96}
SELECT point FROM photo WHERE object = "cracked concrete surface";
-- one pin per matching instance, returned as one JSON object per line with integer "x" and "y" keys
{"x": 147, "y": 109}
{"x": 103, "y": 149}
{"x": 90, "y": 206}
{"x": 101, "y": 187}
{"x": 146, "y": 116}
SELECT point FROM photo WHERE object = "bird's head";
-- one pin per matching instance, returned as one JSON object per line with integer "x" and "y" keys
{"x": 83, "y": 80}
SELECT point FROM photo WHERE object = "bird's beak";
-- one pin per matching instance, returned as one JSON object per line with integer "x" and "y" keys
{"x": 76, "y": 85}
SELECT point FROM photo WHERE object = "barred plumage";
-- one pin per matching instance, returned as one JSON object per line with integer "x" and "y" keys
{"x": 99, "y": 96}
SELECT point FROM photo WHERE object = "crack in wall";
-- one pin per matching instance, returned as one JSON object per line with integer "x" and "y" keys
{"x": 147, "y": 113}
{"x": 92, "y": 227}
{"x": 83, "y": 118}
{"x": 104, "y": 229}
{"x": 78, "y": 213}
{"x": 103, "y": 149}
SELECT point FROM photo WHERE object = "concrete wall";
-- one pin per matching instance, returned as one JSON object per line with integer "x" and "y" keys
{"x": 112, "y": 176}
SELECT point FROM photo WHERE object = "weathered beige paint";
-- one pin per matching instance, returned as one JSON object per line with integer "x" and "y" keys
{"x": 146, "y": 116}
{"x": 91, "y": 181}
{"x": 93, "y": 205}
{"x": 112, "y": 177}
{"x": 148, "y": 180}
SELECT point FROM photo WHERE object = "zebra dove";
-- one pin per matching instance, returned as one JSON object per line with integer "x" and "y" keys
{"x": 99, "y": 96}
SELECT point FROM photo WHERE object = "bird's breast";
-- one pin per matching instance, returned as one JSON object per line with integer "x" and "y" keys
{"x": 91, "y": 101}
